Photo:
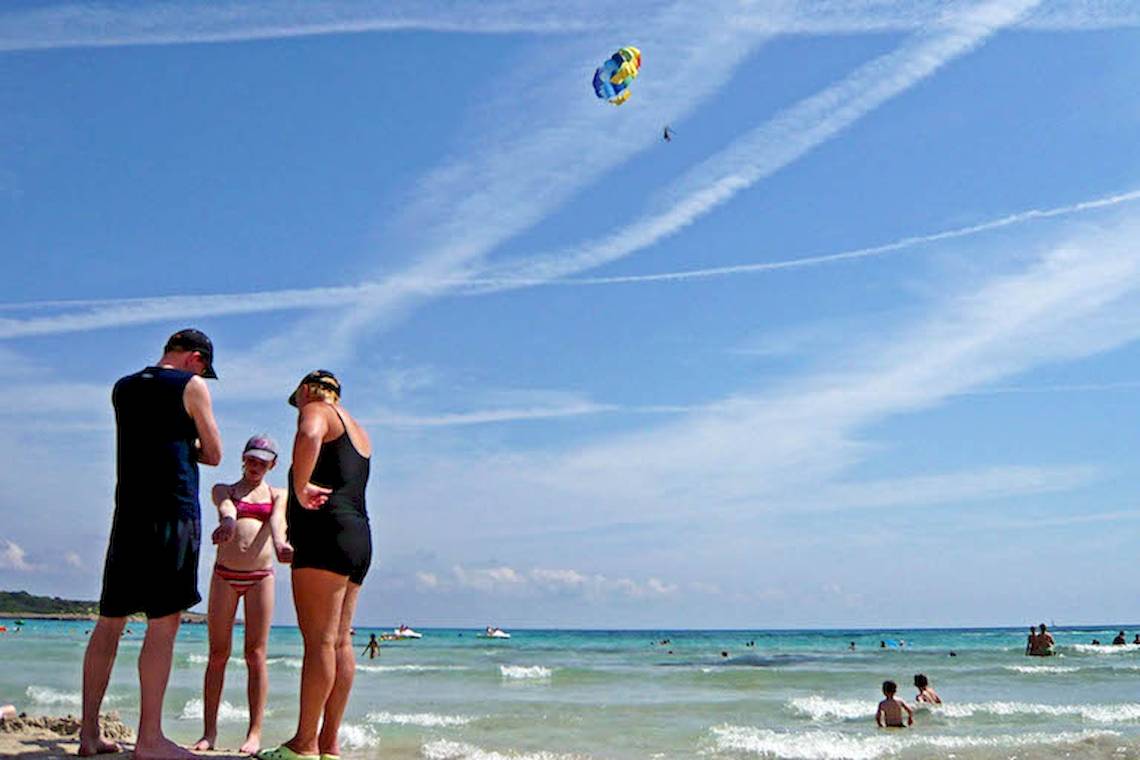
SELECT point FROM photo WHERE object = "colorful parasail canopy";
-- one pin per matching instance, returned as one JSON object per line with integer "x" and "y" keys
{"x": 613, "y": 78}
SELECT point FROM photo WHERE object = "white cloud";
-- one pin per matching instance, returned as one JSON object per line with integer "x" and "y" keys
{"x": 427, "y": 581}
{"x": 83, "y": 315}
{"x": 73, "y": 559}
{"x": 491, "y": 579}
{"x": 786, "y": 137}
{"x": 13, "y": 557}
{"x": 507, "y": 581}
{"x": 793, "y": 444}
{"x": 62, "y": 25}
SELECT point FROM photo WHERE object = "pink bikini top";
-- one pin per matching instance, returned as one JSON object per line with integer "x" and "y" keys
{"x": 256, "y": 510}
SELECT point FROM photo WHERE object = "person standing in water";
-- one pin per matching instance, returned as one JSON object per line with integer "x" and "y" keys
{"x": 332, "y": 551}
{"x": 250, "y": 536}
{"x": 1042, "y": 644}
{"x": 372, "y": 648}
{"x": 165, "y": 428}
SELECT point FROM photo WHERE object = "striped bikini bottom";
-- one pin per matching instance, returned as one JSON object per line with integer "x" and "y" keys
{"x": 242, "y": 580}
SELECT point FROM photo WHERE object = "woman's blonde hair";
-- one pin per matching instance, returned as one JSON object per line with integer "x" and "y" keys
{"x": 323, "y": 392}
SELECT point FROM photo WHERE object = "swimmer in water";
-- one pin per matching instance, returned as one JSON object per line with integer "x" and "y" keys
{"x": 890, "y": 712}
{"x": 926, "y": 694}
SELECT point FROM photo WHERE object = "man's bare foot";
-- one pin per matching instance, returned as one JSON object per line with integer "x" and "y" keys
{"x": 251, "y": 745}
{"x": 161, "y": 749}
{"x": 205, "y": 743}
{"x": 97, "y": 746}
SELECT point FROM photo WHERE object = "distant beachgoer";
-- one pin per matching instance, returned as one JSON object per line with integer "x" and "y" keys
{"x": 890, "y": 712}
{"x": 1042, "y": 645}
{"x": 926, "y": 693}
{"x": 852, "y": 646}
{"x": 332, "y": 543}
{"x": 1137, "y": 639}
{"x": 724, "y": 654}
{"x": 1095, "y": 642}
{"x": 250, "y": 536}
{"x": 1031, "y": 642}
{"x": 165, "y": 429}
{"x": 372, "y": 647}
{"x": 1120, "y": 640}
{"x": 882, "y": 645}
{"x": 953, "y": 653}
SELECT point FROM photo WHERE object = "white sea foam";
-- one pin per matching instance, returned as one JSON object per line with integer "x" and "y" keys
{"x": 408, "y": 668}
{"x": 202, "y": 659}
{"x": 45, "y": 695}
{"x": 357, "y": 737}
{"x": 534, "y": 672}
{"x": 290, "y": 662}
{"x": 427, "y": 720}
{"x": 1106, "y": 648}
{"x": 442, "y": 749}
{"x": 1037, "y": 669}
{"x": 227, "y": 713}
{"x": 822, "y": 709}
{"x": 834, "y": 745}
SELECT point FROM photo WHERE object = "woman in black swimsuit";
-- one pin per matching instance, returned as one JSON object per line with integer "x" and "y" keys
{"x": 332, "y": 549}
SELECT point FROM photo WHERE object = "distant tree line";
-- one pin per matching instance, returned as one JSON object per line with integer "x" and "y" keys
{"x": 22, "y": 603}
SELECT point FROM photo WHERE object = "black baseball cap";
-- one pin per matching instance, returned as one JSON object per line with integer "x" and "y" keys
{"x": 194, "y": 340}
{"x": 321, "y": 377}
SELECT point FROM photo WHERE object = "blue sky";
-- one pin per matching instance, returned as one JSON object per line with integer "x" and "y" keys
{"x": 858, "y": 347}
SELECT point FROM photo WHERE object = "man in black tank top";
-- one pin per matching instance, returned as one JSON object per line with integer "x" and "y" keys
{"x": 164, "y": 428}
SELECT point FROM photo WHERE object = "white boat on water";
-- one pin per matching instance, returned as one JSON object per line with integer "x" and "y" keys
{"x": 494, "y": 633}
{"x": 404, "y": 632}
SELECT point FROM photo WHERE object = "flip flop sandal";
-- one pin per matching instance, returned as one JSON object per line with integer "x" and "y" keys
{"x": 284, "y": 753}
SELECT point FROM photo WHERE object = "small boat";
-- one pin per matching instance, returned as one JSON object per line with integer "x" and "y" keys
{"x": 493, "y": 633}
{"x": 404, "y": 632}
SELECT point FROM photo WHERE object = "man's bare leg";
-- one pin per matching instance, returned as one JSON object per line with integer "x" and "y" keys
{"x": 154, "y": 672}
{"x": 97, "y": 663}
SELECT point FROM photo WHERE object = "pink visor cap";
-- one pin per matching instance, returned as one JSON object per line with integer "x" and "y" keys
{"x": 260, "y": 447}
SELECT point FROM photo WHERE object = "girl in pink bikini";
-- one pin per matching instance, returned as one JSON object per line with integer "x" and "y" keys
{"x": 249, "y": 536}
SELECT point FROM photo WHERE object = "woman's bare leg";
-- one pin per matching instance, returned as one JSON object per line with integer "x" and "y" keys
{"x": 345, "y": 673}
{"x": 258, "y": 617}
{"x": 220, "y": 612}
{"x": 318, "y": 596}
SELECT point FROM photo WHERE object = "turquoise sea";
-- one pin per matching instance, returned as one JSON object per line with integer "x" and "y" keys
{"x": 622, "y": 694}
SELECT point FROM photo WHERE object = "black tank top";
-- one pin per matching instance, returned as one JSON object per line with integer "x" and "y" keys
{"x": 157, "y": 457}
{"x": 343, "y": 469}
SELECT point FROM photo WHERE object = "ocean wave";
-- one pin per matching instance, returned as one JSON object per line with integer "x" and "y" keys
{"x": 357, "y": 737}
{"x": 290, "y": 662}
{"x": 834, "y": 745}
{"x": 227, "y": 713}
{"x": 408, "y": 668}
{"x": 824, "y": 709}
{"x": 426, "y": 720}
{"x": 202, "y": 659}
{"x": 1034, "y": 669}
{"x": 443, "y": 749}
{"x": 1105, "y": 648}
{"x": 533, "y": 672}
{"x": 45, "y": 695}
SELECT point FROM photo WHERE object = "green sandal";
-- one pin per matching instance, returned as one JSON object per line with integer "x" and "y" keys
{"x": 284, "y": 753}
{"x": 330, "y": 757}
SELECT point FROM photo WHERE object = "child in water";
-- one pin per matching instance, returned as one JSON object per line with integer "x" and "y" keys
{"x": 926, "y": 694}
{"x": 889, "y": 714}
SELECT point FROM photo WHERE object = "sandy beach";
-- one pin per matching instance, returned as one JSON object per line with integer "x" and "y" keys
{"x": 36, "y": 737}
